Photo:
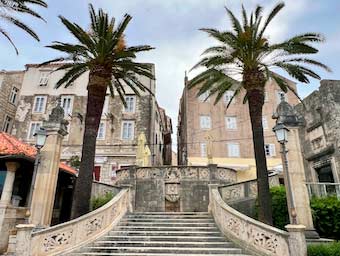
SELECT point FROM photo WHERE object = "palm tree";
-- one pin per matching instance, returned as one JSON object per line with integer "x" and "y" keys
{"x": 245, "y": 51}
{"x": 102, "y": 52}
{"x": 8, "y": 7}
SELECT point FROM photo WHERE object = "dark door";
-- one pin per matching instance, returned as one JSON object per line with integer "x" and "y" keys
{"x": 172, "y": 206}
{"x": 96, "y": 173}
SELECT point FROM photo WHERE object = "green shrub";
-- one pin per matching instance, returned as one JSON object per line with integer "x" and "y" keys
{"x": 99, "y": 201}
{"x": 326, "y": 216}
{"x": 331, "y": 249}
{"x": 280, "y": 210}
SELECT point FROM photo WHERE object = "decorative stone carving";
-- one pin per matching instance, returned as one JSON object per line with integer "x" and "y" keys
{"x": 232, "y": 193}
{"x": 55, "y": 240}
{"x": 190, "y": 173}
{"x": 223, "y": 174}
{"x": 172, "y": 192}
{"x": 142, "y": 174}
{"x": 204, "y": 174}
{"x": 23, "y": 109}
{"x": 265, "y": 240}
{"x": 122, "y": 175}
{"x": 93, "y": 225}
{"x": 173, "y": 175}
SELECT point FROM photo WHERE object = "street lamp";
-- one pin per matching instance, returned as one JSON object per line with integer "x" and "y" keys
{"x": 281, "y": 132}
{"x": 40, "y": 139}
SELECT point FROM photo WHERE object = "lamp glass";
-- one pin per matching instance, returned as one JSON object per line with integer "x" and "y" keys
{"x": 40, "y": 137}
{"x": 281, "y": 133}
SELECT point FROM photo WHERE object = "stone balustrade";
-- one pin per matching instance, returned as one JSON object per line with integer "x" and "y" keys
{"x": 101, "y": 189}
{"x": 246, "y": 189}
{"x": 71, "y": 235}
{"x": 252, "y": 235}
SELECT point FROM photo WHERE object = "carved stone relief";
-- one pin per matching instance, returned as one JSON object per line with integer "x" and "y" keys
{"x": 93, "y": 225}
{"x": 23, "y": 109}
{"x": 172, "y": 175}
{"x": 53, "y": 241}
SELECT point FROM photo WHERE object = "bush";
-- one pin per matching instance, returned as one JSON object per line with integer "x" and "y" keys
{"x": 280, "y": 210}
{"x": 331, "y": 249}
{"x": 326, "y": 216}
{"x": 99, "y": 201}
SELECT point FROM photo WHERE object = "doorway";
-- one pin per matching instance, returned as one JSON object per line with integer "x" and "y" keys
{"x": 172, "y": 206}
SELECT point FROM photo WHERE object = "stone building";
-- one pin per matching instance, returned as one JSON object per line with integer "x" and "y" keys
{"x": 119, "y": 128}
{"x": 203, "y": 125}
{"x": 320, "y": 135}
{"x": 10, "y": 85}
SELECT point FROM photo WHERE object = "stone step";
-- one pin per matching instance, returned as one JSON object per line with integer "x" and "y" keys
{"x": 179, "y": 244}
{"x": 178, "y": 220}
{"x": 170, "y": 213}
{"x": 150, "y": 254}
{"x": 176, "y": 228}
{"x": 162, "y": 216}
{"x": 164, "y": 233}
{"x": 167, "y": 224}
{"x": 174, "y": 250}
{"x": 167, "y": 238}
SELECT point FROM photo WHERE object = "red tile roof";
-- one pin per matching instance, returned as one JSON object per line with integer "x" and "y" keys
{"x": 9, "y": 145}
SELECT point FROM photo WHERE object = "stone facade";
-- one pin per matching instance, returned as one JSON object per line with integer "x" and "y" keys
{"x": 173, "y": 188}
{"x": 119, "y": 129}
{"x": 228, "y": 130}
{"x": 320, "y": 136}
{"x": 10, "y": 85}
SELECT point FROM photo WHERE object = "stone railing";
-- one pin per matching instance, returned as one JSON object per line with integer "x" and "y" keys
{"x": 323, "y": 189}
{"x": 254, "y": 236}
{"x": 71, "y": 235}
{"x": 100, "y": 189}
{"x": 246, "y": 189}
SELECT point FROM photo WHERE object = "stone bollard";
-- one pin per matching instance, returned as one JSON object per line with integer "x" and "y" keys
{"x": 23, "y": 239}
{"x": 297, "y": 240}
{"x": 211, "y": 188}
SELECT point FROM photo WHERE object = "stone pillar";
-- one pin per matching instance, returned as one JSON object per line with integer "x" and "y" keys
{"x": 23, "y": 239}
{"x": 47, "y": 172}
{"x": 6, "y": 195}
{"x": 286, "y": 115}
{"x": 297, "y": 240}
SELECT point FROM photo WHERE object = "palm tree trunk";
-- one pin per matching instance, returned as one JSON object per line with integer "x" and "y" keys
{"x": 256, "y": 101}
{"x": 95, "y": 101}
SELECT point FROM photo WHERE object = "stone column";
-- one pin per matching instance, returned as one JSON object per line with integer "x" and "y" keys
{"x": 9, "y": 181}
{"x": 47, "y": 172}
{"x": 297, "y": 240}
{"x": 286, "y": 115}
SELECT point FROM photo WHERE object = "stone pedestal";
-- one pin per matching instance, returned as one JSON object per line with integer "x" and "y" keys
{"x": 6, "y": 195}
{"x": 297, "y": 240}
{"x": 23, "y": 244}
{"x": 47, "y": 172}
{"x": 296, "y": 172}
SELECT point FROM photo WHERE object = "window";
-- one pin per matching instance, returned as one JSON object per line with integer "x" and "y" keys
{"x": 44, "y": 78}
{"x": 231, "y": 122}
{"x": 39, "y": 104}
{"x": 265, "y": 122}
{"x": 101, "y": 131}
{"x": 270, "y": 149}
{"x": 130, "y": 104}
{"x": 279, "y": 95}
{"x": 204, "y": 97}
{"x": 203, "y": 150}
{"x": 96, "y": 173}
{"x": 128, "y": 128}
{"x": 7, "y": 124}
{"x": 205, "y": 122}
{"x": 228, "y": 96}
{"x": 233, "y": 149}
{"x": 34, "y": 127}
{"x": 14, "y": 95}
{"x": 66, "y": 104}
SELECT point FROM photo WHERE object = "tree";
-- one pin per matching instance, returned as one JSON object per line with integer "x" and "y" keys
{"x": 103, "y": 53}
{"x": 8, "y": 7}
{"x": 246, "y": 51}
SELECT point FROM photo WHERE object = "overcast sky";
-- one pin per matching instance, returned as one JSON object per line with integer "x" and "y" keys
{"x": 172, "y": 27}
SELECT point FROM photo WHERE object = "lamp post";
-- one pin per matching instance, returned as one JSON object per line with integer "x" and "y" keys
{"x": 40, "y": 137}
{"x": 281, "y": 132}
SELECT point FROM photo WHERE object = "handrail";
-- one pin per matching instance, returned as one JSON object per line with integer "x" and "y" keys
{"x": 250, "y": 234}
{"x": 73, "y": 234}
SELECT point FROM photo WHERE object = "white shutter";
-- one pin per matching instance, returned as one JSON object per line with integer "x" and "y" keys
{"x": 203, "y": 150}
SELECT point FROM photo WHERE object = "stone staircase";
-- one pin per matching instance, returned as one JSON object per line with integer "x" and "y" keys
{"x": 163, "y": 234}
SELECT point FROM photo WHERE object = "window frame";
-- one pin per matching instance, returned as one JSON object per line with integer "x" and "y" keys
{"x": 208, "y": 118}
{"x": 15, "y": 100}
{"x": 10, "y": 124}
{"x": 228, "y": 95}
{"x": 133, "y": 130}
{"x": 44, "y": 105}
{"x": 204, "y": 97}
{"x": 103, "y": 129}
{"x": 227, "y": 123}
{"x": 71, "y": 103}
{"x": 229, "y": 144}
{"x": 30, "y": 129}
{"x": 203, "y": 149}
{"x": 44, "y": 79}
{"x": 125, "y": 109}
{"x": 265, "y": 123}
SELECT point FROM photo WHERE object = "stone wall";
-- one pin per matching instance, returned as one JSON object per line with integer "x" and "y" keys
{"x": 320, "y": 137}
{"x": 159, "y": 189}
